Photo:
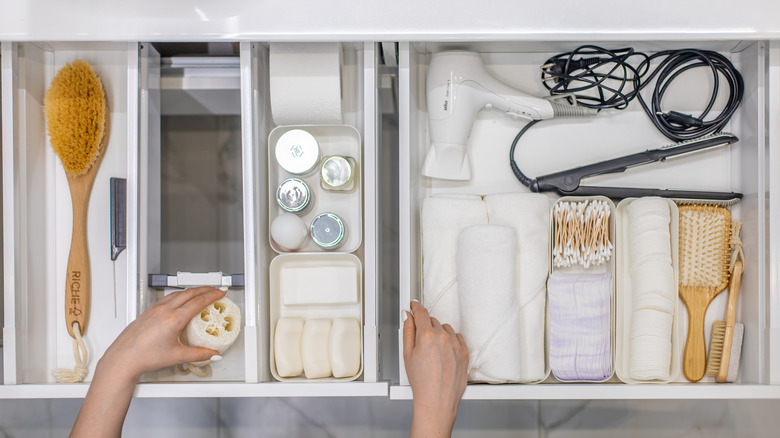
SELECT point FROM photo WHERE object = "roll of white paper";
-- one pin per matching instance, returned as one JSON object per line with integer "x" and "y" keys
{"x": 305, "y": 81}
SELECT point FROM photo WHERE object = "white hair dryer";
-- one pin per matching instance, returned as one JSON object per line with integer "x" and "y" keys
{"x": 458, "y": 87}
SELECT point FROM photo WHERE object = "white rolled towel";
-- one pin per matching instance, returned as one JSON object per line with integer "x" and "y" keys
{"x": 490, "y": 322}
{"x": 443, "y": 217}
{"x": 529, "y": 215}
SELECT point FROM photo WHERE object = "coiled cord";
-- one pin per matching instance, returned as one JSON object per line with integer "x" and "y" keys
{"x": 678, "y": 126}
{"x": 599, "y": 78}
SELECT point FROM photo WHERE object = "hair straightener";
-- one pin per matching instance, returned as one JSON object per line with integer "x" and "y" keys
{"x": 567, "y": 182}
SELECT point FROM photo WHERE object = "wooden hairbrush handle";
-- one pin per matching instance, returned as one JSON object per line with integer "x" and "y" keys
{"x": 696, "y": 300}
{"x": 78, "y": 285}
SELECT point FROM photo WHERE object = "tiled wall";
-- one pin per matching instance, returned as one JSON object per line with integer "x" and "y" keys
{"x": 380, "y": 417}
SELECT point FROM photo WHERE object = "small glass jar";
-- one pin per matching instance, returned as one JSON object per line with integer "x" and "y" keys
{"x": 293, "y": 195}
{"x": 328, "y": 231}
{"x": 297, "y": 152}
{"x": 337, "y": 173}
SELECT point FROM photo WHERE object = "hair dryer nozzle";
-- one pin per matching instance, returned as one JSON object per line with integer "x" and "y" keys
{"x": 447, "y": 161}
{"x": 565, "y": 110}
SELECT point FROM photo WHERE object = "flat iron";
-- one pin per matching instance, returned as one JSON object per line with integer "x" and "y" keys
{"x": 567, "y": 182}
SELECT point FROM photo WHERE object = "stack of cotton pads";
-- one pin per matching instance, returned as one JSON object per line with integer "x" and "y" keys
{"x": 652, "y": 289}
{"x": 580, "y": 308}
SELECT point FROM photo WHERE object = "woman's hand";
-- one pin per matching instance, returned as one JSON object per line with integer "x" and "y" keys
{"x": 436, "y": 360}
{"x": 152, "y": 341}
{"x": 149, "y": 343}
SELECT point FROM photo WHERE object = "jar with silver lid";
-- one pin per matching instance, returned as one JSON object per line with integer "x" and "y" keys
{"x": 328, "y": 231}
{"x": 294, "y": 195}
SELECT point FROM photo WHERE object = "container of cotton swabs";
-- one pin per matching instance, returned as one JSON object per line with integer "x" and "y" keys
{"x": 581, "y": 289}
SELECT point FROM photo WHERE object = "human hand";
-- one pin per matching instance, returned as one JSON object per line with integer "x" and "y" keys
{"x": 153, "y": 341}
{"x": 436, "y": 360}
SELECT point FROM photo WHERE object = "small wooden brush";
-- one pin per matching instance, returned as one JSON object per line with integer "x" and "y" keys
{"x": 726, "y": 336}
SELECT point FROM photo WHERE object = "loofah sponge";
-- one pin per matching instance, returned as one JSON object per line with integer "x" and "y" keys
{"x": 75, "y": 109}
{"x": 216, "y": 327}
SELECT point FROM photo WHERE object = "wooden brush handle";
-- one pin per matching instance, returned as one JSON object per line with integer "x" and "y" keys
{"x": 78, "y": 280}
{"x": 695, "y": 359}
{"x": 731, "y": 310}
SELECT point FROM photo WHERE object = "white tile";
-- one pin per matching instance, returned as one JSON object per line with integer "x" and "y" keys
{"x": 497, "y": 419}
{"x": 660, "y": 418}
{"x": 37, "y": 418}
{"x": 152, "y": 418}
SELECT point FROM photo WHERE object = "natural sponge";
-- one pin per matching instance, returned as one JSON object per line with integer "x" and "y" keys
{"x": 216, "y": 327}
{"x": 75, "y": 109}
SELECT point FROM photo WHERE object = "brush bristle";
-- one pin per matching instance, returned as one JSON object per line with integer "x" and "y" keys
{"x": 75, "y": 109}
{"x": 717, "y": 339}
{"x": 704, "y": 245}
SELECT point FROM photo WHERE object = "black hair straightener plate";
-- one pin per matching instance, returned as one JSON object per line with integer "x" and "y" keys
{"x": 567, "y": 182}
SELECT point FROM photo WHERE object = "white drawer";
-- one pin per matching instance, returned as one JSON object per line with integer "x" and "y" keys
{"x": 36, "y": 221}
{"x": 749, "y": 167}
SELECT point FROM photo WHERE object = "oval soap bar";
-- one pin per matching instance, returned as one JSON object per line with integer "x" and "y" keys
{"x": 315, "y": 348}
{"x": 345, "y": 347}
{"x": 287, "y": 347}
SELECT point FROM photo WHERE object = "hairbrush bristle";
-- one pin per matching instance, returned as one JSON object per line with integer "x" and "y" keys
{"x": 75, "y": 109}
{"x": 717, "y": 340}
{"x": 705, "y": 231}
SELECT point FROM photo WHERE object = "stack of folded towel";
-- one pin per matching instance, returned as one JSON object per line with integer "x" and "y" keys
{"x": 503, "y": 349}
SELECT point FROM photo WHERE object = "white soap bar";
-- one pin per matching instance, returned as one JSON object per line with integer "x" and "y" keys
{"x": 287, "y": 347}
{"x": 315, "y": 348}
{"x": 319, "y": 285}
{"x": 345, "y": 347}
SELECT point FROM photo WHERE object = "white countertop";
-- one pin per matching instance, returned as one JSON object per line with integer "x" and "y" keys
{"x": 372, "y": 20}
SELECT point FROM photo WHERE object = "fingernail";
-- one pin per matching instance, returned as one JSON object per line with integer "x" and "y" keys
{"x": 216, "y": 358}
{"x": 416, "y": 301}
{"x": 404, "y": 315}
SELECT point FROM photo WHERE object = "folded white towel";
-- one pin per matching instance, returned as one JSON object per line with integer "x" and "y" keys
{"x": 443, "y": 217}
{"x": 490, "y": 323}
{"x": 529, "y": 214}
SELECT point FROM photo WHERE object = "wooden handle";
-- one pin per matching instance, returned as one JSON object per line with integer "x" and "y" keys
{"x": 78, "y": 280}
{"x": 695, "y": 359}
{"x": 731, "y": 310}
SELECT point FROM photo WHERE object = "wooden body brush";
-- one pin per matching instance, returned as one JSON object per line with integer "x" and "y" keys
{"x": 704, "y": 273}
{"x": 77, "y": 120}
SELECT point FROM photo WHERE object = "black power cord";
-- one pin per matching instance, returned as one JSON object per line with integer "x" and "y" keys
{"x": 678, "y": 126}
{"x": 600, "y": 78}
{"x": 608, "y": 74}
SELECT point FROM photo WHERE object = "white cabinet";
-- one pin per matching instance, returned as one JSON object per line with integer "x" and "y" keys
{"x": 749, "y": 167}
{"x": 36, "y": 219}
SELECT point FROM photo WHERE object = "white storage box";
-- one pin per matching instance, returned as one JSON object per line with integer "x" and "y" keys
{"x": 565, "y": 143}
{"x": 36, "y": 220}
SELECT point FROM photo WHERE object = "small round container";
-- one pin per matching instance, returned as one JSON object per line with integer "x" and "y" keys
{"x": 328, "y": 231}
{"x": 336, "y": 172}
{"x": 293, "y": 195}
{"x": 297, "y": 152}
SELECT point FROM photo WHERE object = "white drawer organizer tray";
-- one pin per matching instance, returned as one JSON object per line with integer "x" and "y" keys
{"x": 565, "y": 143}
{"x": 36, "y": 222}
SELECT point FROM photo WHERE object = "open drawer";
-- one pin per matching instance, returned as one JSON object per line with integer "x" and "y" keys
{"x": 163, "y": 126}
{"x": 558, "y": 144}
